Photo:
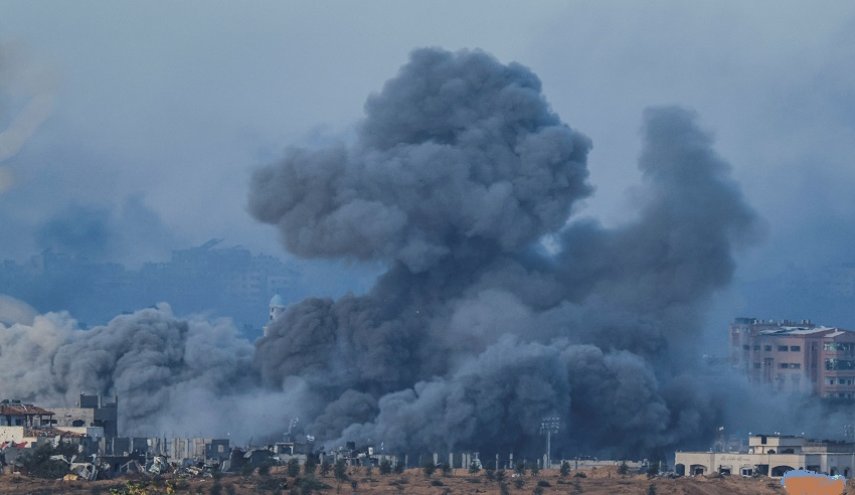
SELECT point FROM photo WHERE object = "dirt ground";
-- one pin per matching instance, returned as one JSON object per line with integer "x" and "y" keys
{"x": 412, "y": 482}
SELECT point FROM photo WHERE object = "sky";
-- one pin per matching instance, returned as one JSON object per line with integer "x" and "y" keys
{"x": 154, "y": 114}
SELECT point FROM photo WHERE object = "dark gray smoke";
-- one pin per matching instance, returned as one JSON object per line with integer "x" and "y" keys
{"x": 476, "y": 332}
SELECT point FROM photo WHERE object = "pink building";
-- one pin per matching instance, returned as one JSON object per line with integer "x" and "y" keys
{"x": 795, "y": 356}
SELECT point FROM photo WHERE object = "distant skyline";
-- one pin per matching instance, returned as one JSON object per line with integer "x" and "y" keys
{"x": 160, "y": 111}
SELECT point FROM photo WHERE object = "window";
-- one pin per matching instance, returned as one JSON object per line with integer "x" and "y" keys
{"x": 756, "y": 347}
{"x": 796, "y": 348}
{"x": 783, "y": 348}
{"x": 783, "y": 365}
{"x": 745, "y": 347}
{"x": 767, "y": 348}
{"x": 795, "y": 365}
{"x": 839, "y": 364}
{"x": 756, "y": 366}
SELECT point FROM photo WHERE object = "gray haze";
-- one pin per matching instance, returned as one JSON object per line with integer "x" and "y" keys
{"x": 176, "y": 109}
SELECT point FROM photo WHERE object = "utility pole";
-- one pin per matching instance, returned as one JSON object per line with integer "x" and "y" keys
{"x": 548, "y": 426}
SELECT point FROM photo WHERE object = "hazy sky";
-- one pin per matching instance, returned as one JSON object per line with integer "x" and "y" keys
{"x": 167, "y": 106}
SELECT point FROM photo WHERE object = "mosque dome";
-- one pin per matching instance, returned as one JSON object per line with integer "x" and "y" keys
{"x": 277, "y": 302}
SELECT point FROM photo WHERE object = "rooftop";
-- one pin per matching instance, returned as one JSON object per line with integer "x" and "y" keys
{"x": 18, "y": 408}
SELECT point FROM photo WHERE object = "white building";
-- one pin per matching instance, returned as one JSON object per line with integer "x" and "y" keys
{"x": 276, "y": 308}
{"x": 772, "y": 455}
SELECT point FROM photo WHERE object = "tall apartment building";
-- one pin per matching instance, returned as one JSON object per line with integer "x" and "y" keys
{"x": 795, "y": 356}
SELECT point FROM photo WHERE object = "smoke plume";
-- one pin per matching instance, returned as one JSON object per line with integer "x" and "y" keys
{"x": 160, "y": 367}
{"x": 475, "y": 333}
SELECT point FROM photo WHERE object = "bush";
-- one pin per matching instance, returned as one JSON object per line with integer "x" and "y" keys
{"x": 38, "y": 463}
{"x": 651, "y": 490}
{"x": 491, "y": 475}
{"x": 535, "y": 469}
{"x": 500, "y": 475}
{"x": 565, "y": 469}
{"x": 473, "y": 467}
{"x": 385, "y": 467}
{"x": 429, "y": 468}
{"x": 543, "y": 483}
{"x": 325, "y": 468}
{"x": 538, "y": 490}
{"x": 623, "y": 468}
{"x": 519, "y": 482}
{"x": 580, "y": 474}
{"x": 369, "y": 469}
{"x": 520, "y": 468}
{"x": 437, "y": 483}
{"x": 310, "y": 484}
{"x": 446, "y": 470}
{"x": 268, "y": 484}
{"x": 503, "y": 489}
{"x": 399, "y": 467}
{"x": 216, "y": 489}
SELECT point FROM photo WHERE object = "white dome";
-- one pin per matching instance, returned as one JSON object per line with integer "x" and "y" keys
{"x": 277, "y": 302}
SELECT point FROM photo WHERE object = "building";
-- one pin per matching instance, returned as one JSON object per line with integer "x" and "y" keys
{"x": 795, "y": 356}
{"x": 275, "y": 308}
{"x": 91, "y": 411}
{"x": 24, "y": 425}
{"x": 771, "y": 455}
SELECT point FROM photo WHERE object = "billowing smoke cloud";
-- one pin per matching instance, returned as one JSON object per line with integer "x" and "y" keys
{"x": 15, "y": 311}
{"x": 161, "y": 367}
{"x": 474, "y": 333}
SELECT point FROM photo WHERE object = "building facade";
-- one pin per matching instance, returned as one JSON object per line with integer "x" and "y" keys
{"x": 90, "y": 411}
{"x": 795, "y": 356}
{"x": 772, "y": 455}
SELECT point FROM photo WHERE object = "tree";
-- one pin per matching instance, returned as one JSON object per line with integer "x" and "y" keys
{"x": 325, "y": 468}
{"x": 446, "y": 469}
{"x": 293, "y": 467}
{"x": 651, "y": 490}
{"x": 369, "y": 468}
{"x": 399, "y": 467}
{"x": 491, "y": 475}
{"x": 565, "y": 469}
{"x": 623, "y": 468}
{"x": 652, "y": 469}
{"x": 311, "y": 465}
{"x": 520, "y": 468}
{"x": 429, "y": 468}
{"x": 340, "y": 472}
{"x": 503, "y": 489}
{"x": 535, "y": 469}
{"x": 385, "y": 467}
{"x": 500, "y": 475}
{"x": 473, "y": 467}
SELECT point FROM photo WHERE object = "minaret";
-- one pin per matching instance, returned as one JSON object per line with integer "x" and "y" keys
{"x": 277, "y": 307}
